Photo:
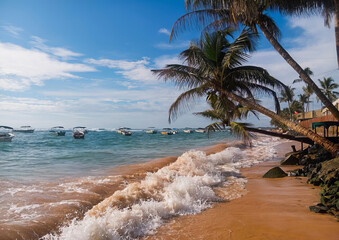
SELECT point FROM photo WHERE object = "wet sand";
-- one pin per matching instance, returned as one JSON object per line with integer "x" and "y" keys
{"x": 272, "y": 209}
{"x": 96, "y": 193}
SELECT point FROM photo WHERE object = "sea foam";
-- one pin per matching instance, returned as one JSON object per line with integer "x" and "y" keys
{"x": 188, "y": 186}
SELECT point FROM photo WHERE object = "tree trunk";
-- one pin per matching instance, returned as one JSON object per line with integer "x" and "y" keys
{"x": 325, "y": 143}
{"x": 275, "y": 134}
{"x": 336, "y": 27}
{"x": 289, "y": 108}
{"x": 303, "y": 75}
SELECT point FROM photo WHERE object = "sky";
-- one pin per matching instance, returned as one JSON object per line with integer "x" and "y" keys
{"x": 70, "y": 63}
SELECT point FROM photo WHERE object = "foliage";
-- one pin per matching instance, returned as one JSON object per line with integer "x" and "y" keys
{"x": 226, "y": 118}
{"x": 285, "y": 113}
{"x": 327, "y": 87}
{"x": 213, "y": 67}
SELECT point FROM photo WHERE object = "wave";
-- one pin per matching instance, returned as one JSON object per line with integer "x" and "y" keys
{"x": 188, "y": 186}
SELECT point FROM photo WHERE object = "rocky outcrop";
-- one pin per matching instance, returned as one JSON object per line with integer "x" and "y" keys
{"x": 275, "y": 172}
{"x": 328, "y": 178}
{"x": 291, "y": 159}
{"x": 322, "y": 171}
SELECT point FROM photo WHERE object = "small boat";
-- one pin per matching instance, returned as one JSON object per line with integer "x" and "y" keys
{"x": 123, "y": 129}
{"x": 151, "y": 130}
{"x": 58, "y": 131}
{"x": 188, "y": 131}
{"x": 79, "y": 132}
{"x": 24, "y": 129}
{"x": 5, "y": 135}
{"x": 126, "y": 133}
{"x": 168, "y": 131}
{"x": 200, "y": 130}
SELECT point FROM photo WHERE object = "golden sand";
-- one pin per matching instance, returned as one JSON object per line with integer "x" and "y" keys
{"x": 274, "y": 209}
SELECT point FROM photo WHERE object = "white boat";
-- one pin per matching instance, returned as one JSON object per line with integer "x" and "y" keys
{"x": 58, "y": 130}
{"x": 151, "y": 130}
{"x": 123, "y": 129}
{"x": 79, "y": 132}
{"x": 24, "y": 129}
{"x": 126, "y": 133}
{"x": 200, "y": 130}
{"x": 188, "y": 131}
{"x": 5, "y": 135}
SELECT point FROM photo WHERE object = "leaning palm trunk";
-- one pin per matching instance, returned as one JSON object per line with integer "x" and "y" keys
{"x": 275, "y": 134}
{"x": 299, "y": 70}
{"x": 290, "y": 110}
{"x": 328, "y": 145}
{"x": 336, "y": 26}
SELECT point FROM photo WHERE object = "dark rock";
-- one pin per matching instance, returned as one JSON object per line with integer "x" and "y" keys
{"x": 329, "y": 172}
{"x": 319, "y": 208}
{"x": 300, "y": 152}
{"x": 275, "y": 172}
{"x": 313, "y": 149}
{"x": 290, "y": 160}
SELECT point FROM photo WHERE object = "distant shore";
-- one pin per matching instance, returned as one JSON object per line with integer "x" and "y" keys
{"x": 272, "y": 209}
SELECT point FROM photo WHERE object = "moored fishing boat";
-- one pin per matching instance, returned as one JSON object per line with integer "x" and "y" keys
{"x": 5, "y": 135}
{"x": 58, "y": 131}
{"x": 167, "y": 131}
{"x": 126, "y": 133}
{"x": 200, "y": 130}
{"x": 188, "y": 130}
{"x": 122, "y": 129}
{"x": 151, "y": 130}
{"x": 24, "y": 129}
{"x": 79, "y": 132}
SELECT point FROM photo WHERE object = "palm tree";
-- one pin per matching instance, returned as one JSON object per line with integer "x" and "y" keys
{"x": 328, "y": 86}
{"x": 217, "y": 14}
{"x": 226, "y": 117}
{"x": 287, "y": 95}
{"x": 308, "y": 93}
{"x": 213, "y": 67}
{"x": 308, "y": 71}
{"x": 303, "y": 100}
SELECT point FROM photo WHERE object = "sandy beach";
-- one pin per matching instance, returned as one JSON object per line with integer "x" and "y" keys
{"x": 271, "y": 209}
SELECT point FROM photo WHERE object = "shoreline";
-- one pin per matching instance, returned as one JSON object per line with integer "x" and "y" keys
{"x": 271, "y": 209}
{"x": 124, "y": 173}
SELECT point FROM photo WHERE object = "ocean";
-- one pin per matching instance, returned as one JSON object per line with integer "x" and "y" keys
{"x": 106, "y": 186}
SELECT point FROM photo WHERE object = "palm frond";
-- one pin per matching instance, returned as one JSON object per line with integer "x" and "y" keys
{"x": 181, "y": 103}
{"x": 238, "y": 129}
{"x": 197, "y": 19}
{"x": 181, "y": 75}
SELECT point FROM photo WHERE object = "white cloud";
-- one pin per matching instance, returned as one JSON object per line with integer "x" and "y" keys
{"x": 56, "y": 51}
{"x": 14, "y": 31}
{"x": 93, "y": 108}
{"x": 169, "y": 46}
{"x": 137, "y": 71}
{"x": 162, "y": 61}
{"x": 164, "y": 31}
{"x": 21, "y": 67}
{"x": 131, "y": 70}
{"x": 314, "y": 47}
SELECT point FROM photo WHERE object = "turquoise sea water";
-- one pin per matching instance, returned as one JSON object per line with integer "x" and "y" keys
{"x": 43, "y": 156}
{"x": 50, "y": 186}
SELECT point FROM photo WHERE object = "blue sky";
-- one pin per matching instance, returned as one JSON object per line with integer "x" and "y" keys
{"x": 71, "y": 62}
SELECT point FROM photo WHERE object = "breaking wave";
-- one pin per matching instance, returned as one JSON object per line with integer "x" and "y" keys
{"x": 188, "y": 186}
